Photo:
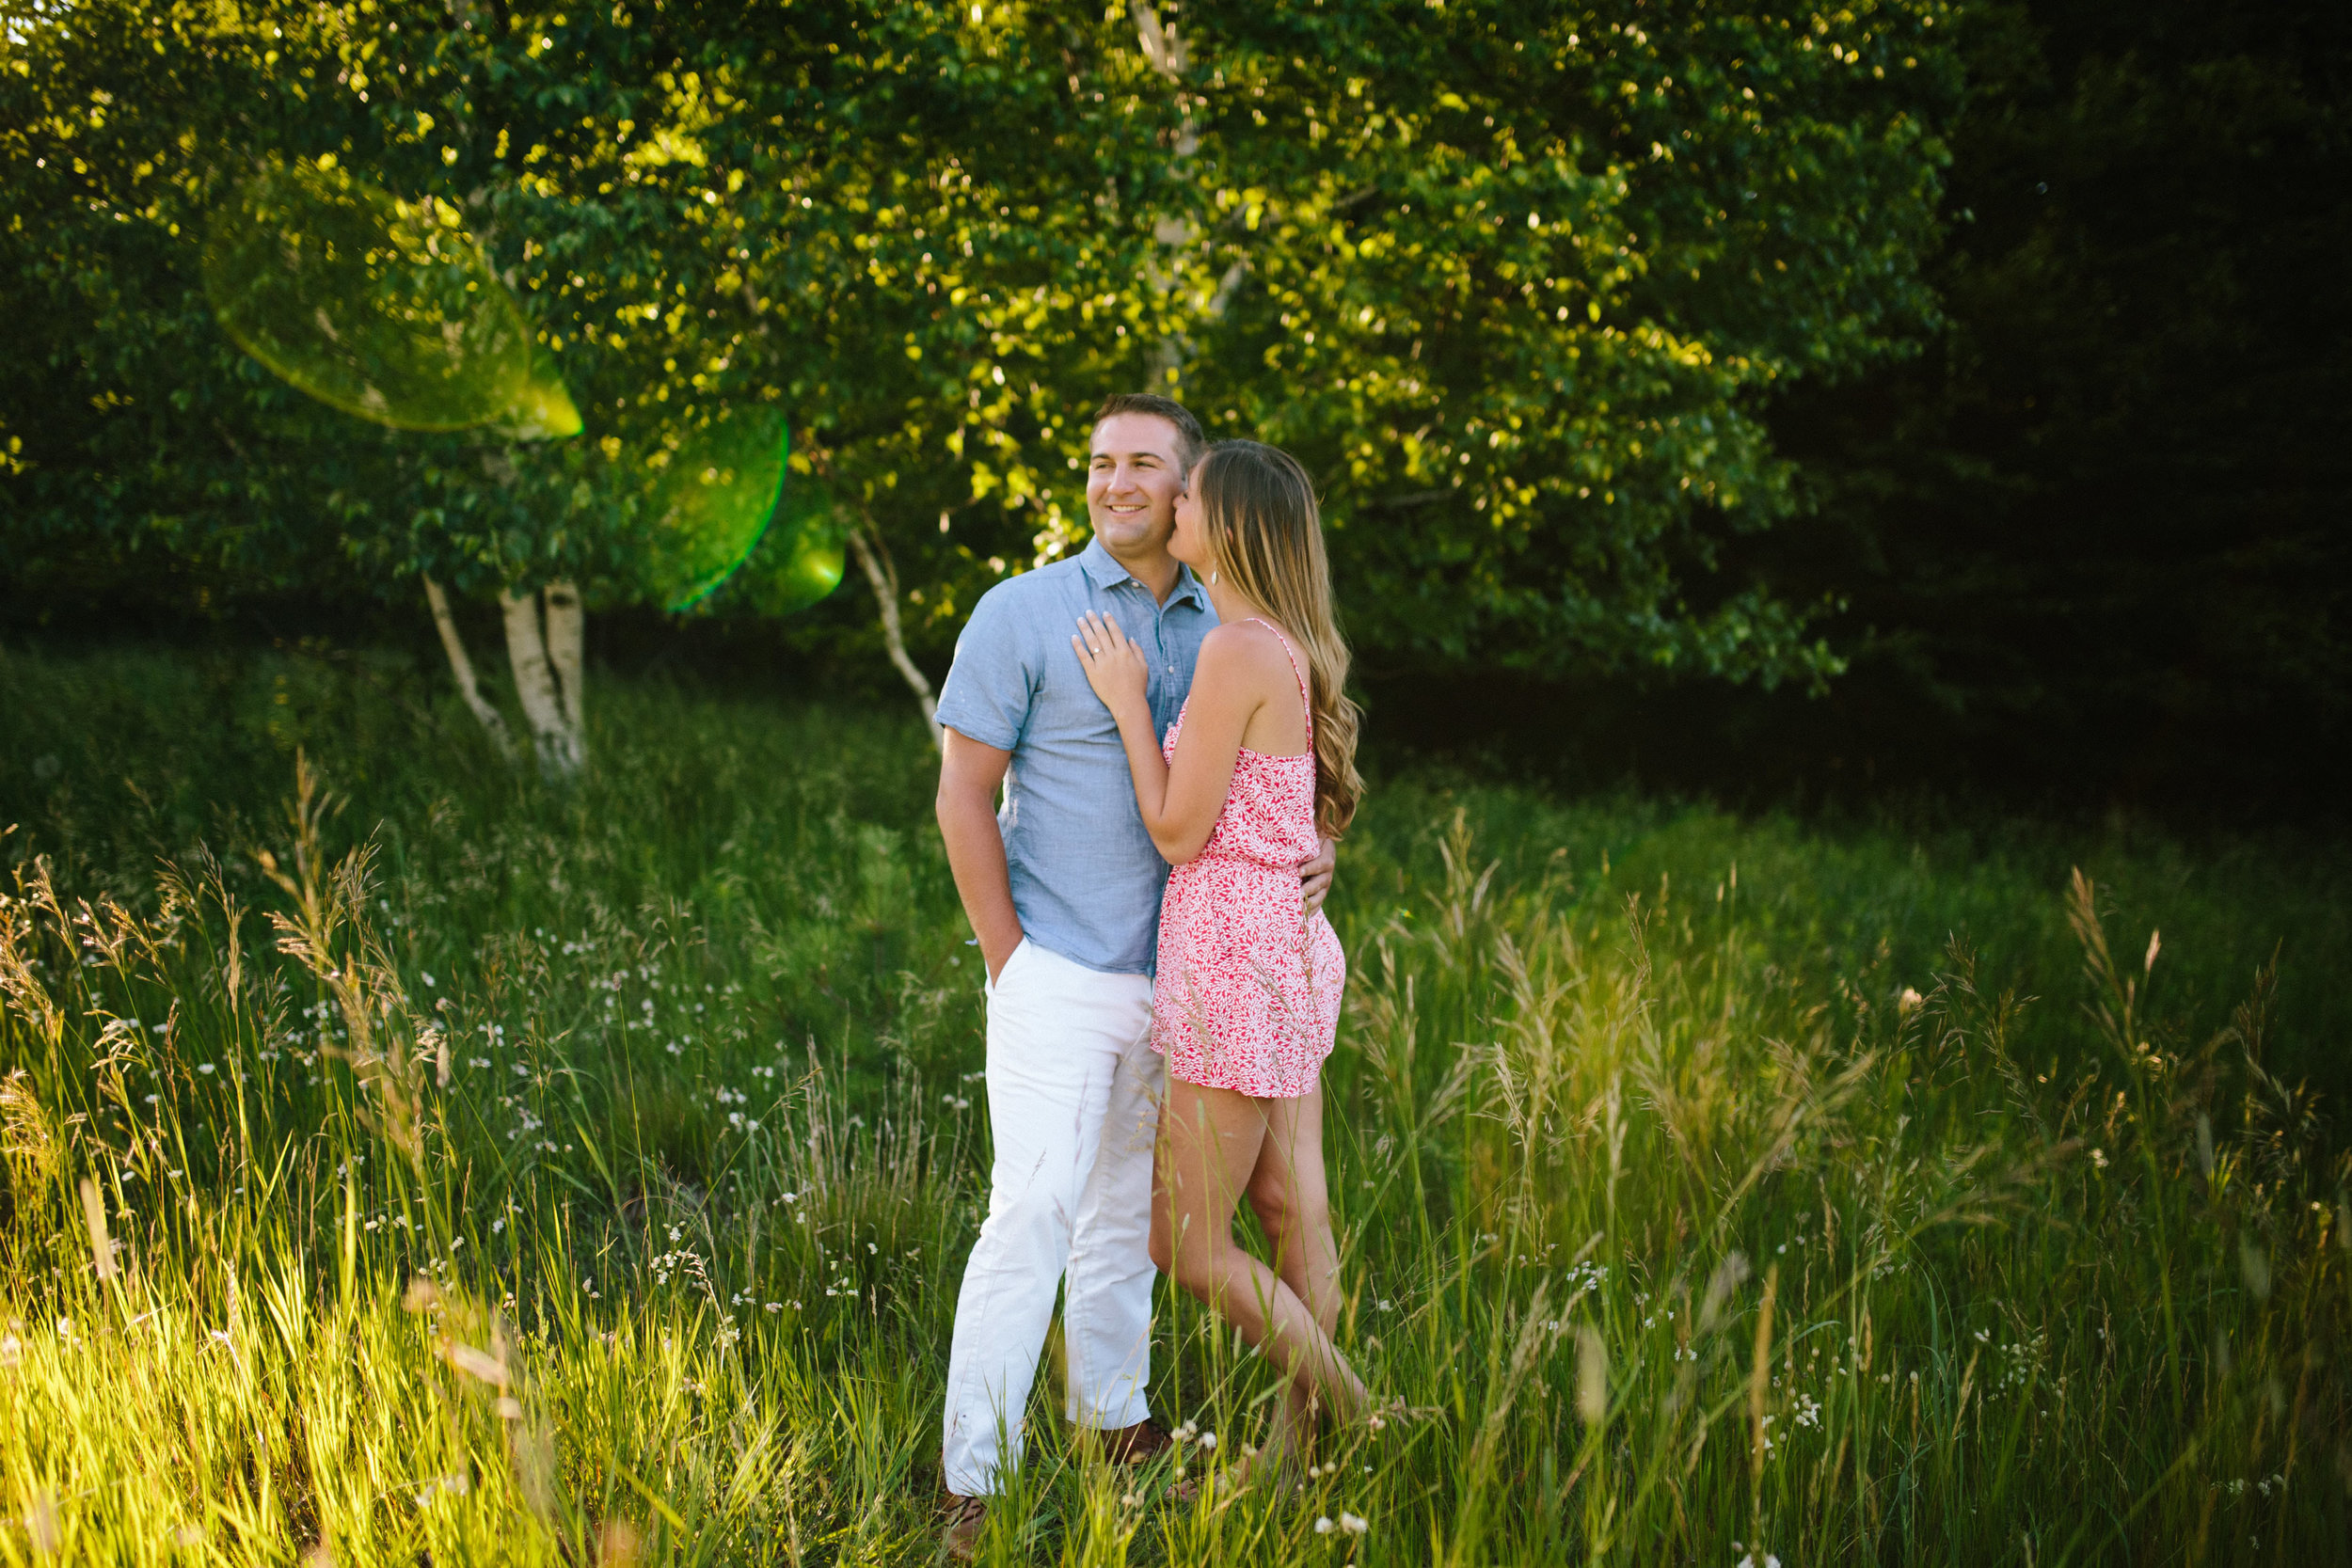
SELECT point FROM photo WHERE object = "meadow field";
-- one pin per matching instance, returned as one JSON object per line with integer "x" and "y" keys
{"x": 407, "y": 1162}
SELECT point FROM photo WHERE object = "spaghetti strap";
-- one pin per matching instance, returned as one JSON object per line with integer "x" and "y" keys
{"x": 1305, "y": 700}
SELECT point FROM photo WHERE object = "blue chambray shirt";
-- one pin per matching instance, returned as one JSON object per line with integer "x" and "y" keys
{"x": 1085, "y": 877}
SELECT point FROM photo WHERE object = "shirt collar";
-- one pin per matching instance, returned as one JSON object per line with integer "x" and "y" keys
{"x": 1103, "y": 568}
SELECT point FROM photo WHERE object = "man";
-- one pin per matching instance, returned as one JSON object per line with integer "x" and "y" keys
{"x": 1062, "y": 888}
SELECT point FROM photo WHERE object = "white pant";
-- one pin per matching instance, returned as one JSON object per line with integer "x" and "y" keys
{"x": 1073, "y": 1103}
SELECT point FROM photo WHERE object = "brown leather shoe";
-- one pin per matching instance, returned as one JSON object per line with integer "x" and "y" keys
{"x": 960, "y": 1519}
{"x": 1137, "y": 1444}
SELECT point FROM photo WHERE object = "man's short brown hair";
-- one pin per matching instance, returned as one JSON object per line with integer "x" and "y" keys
{"x": 1190, "y": 441}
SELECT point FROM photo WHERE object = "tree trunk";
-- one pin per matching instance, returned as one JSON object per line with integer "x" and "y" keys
{"x": 567, "y": 627}
{"x": 883, "y": 578}
{"x": 537, "y": 656}
{"x": 1163, "y": 50}
{"x": 462, "y": 668}
{"x": 1166, "y": 53}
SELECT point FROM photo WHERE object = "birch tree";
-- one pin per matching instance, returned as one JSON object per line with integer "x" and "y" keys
{"x": 1517, "y": 283}
{"x": 915, "y": 232}
{"x": 125, "y": 113}
{"x": 946, "y": 275}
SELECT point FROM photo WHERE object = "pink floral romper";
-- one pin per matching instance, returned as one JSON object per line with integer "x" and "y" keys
{"x": 1248, "y": 995}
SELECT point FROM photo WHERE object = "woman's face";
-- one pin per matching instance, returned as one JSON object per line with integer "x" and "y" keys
{"x": 1188, "y": 542}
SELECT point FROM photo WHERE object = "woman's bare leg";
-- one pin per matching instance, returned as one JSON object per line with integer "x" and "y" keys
{"x": 1215, "y": 1140}
{"x": 1292, "y": 1199}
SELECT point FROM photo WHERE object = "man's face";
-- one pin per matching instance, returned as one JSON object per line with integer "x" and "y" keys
{"x": 1133, "y": 480}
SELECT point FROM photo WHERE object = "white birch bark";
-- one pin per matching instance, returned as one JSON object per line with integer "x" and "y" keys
{"x": 1166, "y": 53}
{"x": 567, "y": 632}
{"x": 1163, "y": 50}
{"x": 462, "y": 668}
{"x": 883, "y": 578}
{"x": 560, "y": 755}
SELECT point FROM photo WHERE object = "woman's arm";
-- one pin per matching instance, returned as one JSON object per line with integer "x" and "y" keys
{"x": 1180, "y": 804}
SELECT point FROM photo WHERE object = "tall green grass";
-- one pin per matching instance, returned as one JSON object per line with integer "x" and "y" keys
{"x": 406, "y": 1161}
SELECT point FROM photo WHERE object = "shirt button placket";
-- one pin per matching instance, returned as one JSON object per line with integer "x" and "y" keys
{"x": 1159, "y": 649}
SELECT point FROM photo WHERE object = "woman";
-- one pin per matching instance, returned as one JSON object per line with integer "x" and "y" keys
{"x": 1246, "y": 1003}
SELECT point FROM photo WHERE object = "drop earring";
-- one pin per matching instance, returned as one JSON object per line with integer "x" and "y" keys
{"x": 1212, "y": 576}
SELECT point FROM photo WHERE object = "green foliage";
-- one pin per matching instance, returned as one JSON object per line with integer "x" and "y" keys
{"x": 1521, "y": 283}
{"x": 132, "y": 126}
{"x": 381, "y": 309}
{"x": 1851, "y": 1248}
{"x": 698, "y": 207}
{"x": 1515, "y": 283}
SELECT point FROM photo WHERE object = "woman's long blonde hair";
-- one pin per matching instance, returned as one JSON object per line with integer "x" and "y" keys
{"x": 1265, "y": 536}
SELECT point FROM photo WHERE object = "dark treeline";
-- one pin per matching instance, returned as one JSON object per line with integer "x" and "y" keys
{"x": 2096, "y": 541}
{"x": 2091, "y": 541}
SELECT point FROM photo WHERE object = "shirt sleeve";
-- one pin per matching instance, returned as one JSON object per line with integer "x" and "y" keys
{"x": 990, "y": 684}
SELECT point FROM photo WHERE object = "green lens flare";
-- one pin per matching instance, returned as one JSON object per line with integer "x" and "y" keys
{"x": 385, "y": 310}
{"x": 543, "y": 409}
{"x": 806, "y": 549}
{"x": 717, "y": 495}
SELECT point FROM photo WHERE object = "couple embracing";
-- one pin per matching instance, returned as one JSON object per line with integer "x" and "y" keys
{"x": 1169, "y": 698}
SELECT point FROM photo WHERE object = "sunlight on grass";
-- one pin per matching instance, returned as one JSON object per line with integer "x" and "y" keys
{"x": 587, "y": 1178}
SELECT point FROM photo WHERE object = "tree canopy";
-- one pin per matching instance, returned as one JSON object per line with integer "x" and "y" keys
{"x": 695, "y": 209}
{"x": 1522, "y": 281}
{"x": 1519, "y": 285}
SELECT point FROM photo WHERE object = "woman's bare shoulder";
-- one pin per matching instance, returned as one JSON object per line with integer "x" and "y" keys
{"x": 1246, "y": 661}
{"x": 1244, "y": 646}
